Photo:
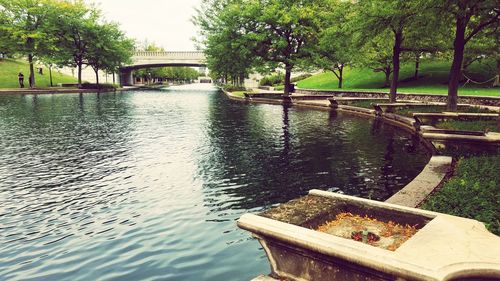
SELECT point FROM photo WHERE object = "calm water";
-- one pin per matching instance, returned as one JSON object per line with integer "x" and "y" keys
{"x": 148, "y": 185}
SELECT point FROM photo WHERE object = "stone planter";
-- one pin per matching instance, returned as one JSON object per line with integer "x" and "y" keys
{"x": 444, "y": 248}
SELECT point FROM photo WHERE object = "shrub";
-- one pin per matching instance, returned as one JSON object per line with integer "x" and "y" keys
{"x": 232, "y": 88}
{"x": 277, "y": 78}
{"x": 473, "y": 192}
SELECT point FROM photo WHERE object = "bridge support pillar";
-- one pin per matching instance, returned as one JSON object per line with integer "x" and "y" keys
{"x": 126, "y": 78}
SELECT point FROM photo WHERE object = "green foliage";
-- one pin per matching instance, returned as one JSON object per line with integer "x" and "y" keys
{"x": 227, "y": 50}
{"x": 62, "y": 32}
{"x": 232, "y": 88}
{"x": 168, "y": 73}
{"x": 239, "y": 35}
{"x": 278, "y": 78}
{"x": 477, "y": 125}
{"x": 473, "y": 192}
{"x": 109, "y": 50}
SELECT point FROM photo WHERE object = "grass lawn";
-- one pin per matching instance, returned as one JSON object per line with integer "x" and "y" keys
{"x": 240, "y": 94}
{"x": 433, "y": 79}
{"x": 473, "y": 192}
{"x": 9, "y": 69}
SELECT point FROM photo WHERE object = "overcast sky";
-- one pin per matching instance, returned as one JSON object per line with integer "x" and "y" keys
{"x": 164, "y": 22}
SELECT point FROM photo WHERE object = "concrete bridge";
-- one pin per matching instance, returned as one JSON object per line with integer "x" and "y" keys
{"x": 160, "y": 59}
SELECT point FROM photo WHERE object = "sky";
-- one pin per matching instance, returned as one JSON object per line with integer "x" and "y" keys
{"x": 164, "y": 22}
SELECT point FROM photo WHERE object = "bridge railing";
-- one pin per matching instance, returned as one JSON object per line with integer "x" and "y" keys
{"x": 170, "y": 54}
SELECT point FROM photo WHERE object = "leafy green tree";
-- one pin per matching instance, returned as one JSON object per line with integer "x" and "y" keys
{"x": 109, "y": 50}
{"x": 227, "y": 50}
{"x": 336, "y": 47}
{"x": 268, "y": 33}
{"x": 484, "y": 48}
{"x": 26, "y": 31}
{"x": 74, "y": 24}
{"x": 470, "y": 18}
{"x": 282, "y": 31}
{"x": 377, "y": 54}
{"x": 5, "y": 37}
{"x": 398, "y": 17}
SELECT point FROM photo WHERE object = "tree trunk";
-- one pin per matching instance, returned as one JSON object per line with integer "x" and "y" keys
{"x": 456, "y": 66}
{"x": 97, "y": 76}
{"x": 79, "y": 75}
{"x": 242, "y": 79}
{"x": 496, "y": 83}
{"x": 113, "y": 78}
{"x": 341, "y": 78}
{"x": 387, "y": 72}
{"x": 288, "y": 74}
{"x": 31, "y": 78}
{"x": 417, "y": 65}
{"x": 398, "y": 39}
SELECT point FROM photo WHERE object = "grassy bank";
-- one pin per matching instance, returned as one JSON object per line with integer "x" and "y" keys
{"x": 473, "y": 192}
{"x": 433, "y": 79}
{"x": 9, "y": 69}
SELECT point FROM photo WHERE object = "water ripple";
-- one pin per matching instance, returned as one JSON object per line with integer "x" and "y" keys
{"x": 148, "y": 185}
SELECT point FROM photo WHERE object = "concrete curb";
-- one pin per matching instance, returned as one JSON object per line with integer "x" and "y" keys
{"x": 414, "y": 193}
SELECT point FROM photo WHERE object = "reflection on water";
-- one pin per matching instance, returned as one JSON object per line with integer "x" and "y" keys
{"x": 148, "y": 185}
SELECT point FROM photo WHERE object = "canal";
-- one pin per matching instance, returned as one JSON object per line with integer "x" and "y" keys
{"x": 147, "y": 185}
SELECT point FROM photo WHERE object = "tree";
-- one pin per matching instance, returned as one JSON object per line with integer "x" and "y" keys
{"x": 377, "y": 54}
{"x": 266, "y": 32}
{"x": 282, "y": 31}
{"x": 227, "y": 50}
{"x": 74, "y": 26}
{"x": 109, "y": 50}
{"x": 336, "y": 47}
{"x": 484, "y": 47}
{"x": 5, "y": 44}
{"x": 471, "y": 18}
{"x": 26, "y": 31}
{"x": 376, "y": 16}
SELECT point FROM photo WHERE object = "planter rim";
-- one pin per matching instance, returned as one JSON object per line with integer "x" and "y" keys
{"x": 447, "y": 247}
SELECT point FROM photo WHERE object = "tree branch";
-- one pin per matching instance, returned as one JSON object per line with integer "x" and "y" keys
{"x": 481, "y": 26}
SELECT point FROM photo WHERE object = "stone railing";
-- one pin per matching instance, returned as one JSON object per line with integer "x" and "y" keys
{"x": 190, "y": 55}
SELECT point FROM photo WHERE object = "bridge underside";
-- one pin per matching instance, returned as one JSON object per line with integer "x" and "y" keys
{"x": 126, "y": 78}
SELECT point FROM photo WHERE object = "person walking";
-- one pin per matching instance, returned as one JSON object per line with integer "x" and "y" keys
{"x": 21, "y": 79}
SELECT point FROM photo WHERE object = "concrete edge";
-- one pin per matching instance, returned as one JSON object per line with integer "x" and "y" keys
{"x": 415, "y": 192}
